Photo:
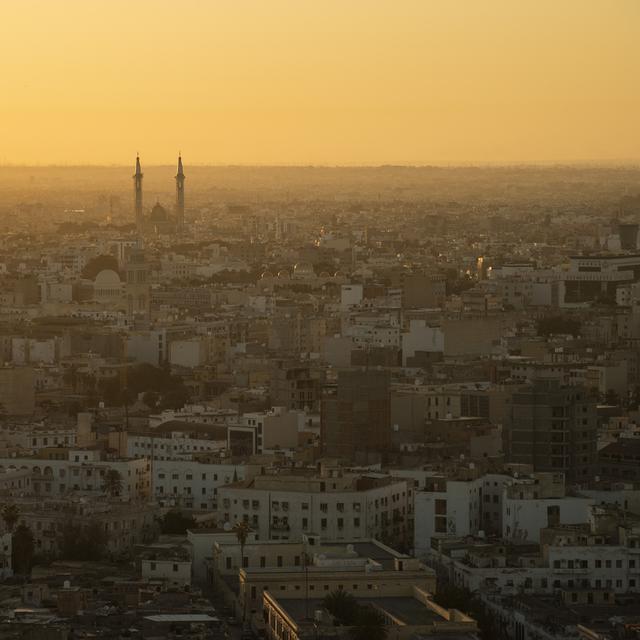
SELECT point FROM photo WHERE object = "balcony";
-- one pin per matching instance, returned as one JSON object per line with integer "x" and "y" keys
{"x": 280, "y": 526}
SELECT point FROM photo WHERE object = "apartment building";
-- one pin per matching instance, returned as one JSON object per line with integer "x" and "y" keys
{"x": 284, "y": 506}
{"x": 193, "y": 484}
{"x": 57, "y": 472}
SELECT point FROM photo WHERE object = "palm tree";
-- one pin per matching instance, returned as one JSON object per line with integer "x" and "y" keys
{"x": 113, "y": 482}
{"x": 370, "y": 625}
{"x": 342, "y": 606}
{"x": 241, "y": 529}
{"x": 22, "y": 547}
{"x": 10, "y": 514}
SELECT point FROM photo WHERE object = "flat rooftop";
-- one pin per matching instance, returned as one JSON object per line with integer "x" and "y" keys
{"x": 408, "y": 610}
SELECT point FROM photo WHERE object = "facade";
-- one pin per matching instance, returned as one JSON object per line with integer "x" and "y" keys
{"x": 355, "y": 418}
{"x": 82, "y": 471}
{"x": 288, "y": 506}
{"x": 553, "y": 428}
{"x": 17, "y": 390}
{"x": 193, "y": 485}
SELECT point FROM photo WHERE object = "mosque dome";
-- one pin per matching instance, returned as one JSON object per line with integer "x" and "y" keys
{"x": 283, "y": 273}
{"x": 266, "y": 274}
{"x": 107, "y": 277}
{"x": 158, "y": 213}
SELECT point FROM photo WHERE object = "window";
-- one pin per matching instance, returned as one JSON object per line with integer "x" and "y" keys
{"x": 175, "y": 568}
{"x": 323, "y": 523}
{"x": 279, "y": 561}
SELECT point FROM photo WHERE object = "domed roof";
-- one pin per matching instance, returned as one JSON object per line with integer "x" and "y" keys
{"x": 283, "y": 273}
{"x": 158, "y": 213}
{"x": 267, "y": 274}
{"x": 107, "y": 277}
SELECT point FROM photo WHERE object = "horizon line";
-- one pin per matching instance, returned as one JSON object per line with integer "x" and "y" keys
{"x": 595, "y": 163}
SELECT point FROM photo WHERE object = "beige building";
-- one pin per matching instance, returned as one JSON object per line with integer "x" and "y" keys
{"x": 335, "y": 505}
{"x": 17, "y": 390}
{"x": 413, "y": 614}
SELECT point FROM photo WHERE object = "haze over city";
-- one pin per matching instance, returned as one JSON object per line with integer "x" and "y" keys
{"x": 320, "y": 320}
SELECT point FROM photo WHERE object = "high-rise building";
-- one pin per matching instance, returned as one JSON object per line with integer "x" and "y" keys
{"x": 553, "y": 428}
{"x": 17, "y": 390}
{"x": 356, "y": 415}
{"x": 137, "y": 181}
{"x": 180, "y": 195}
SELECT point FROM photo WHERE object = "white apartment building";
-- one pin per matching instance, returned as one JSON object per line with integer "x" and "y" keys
{"x": 32, "y": 438}
{"x": 83, "y": 471}
{"x": 286, "y": 506}
{"x": 175, "y": 445}
{"x": 453, "y": 508}
{"x": 571, "y": 558}
{"x": 173, "y": 571}
{"x": 192, "y": 484}
{"x": 514, "y": 508}
{"x": 194, "y": 413}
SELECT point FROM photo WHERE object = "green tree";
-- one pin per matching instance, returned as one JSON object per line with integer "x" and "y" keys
{"x": 10, "y": 515}
{"x": 112, "y": 483}
{"x": 342, "y": 606}
{"x": 22, "y": 549}
{"x": 558, "y": 325}
{"x": 151, "y": 399}
{"x": 83, "y": 542}
{"x": 241, "y": 529}
{"x": 369, "y": 625}
{"x": 176, "y": 522}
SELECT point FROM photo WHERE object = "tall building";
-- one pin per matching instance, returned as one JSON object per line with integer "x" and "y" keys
{"x": 356, "y": 416}
{"x": 553, "y": 428}
{"x": 294, "y": 386}
{"x": 137, "y": 181}
{"x": 137, "y": 287}
{"x": 180, "y": 195}
{"x": 17, "y": 390}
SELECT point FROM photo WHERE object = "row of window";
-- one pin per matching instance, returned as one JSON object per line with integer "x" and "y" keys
{"x": 597, "y": 564}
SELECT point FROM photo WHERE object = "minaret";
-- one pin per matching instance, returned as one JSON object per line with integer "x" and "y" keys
{"x": 137, "y": 181}
{"x": 180, "y": 195}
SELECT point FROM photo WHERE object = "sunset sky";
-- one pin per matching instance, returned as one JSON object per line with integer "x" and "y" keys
{"x": 319, "y": 81}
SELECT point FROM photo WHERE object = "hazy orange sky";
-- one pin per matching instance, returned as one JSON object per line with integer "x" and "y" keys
{"x": 319, "y": 81}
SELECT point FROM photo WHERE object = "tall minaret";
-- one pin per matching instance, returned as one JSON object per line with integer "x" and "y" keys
{"x": 137, "y": 181}
{"x": 180, "y": 194}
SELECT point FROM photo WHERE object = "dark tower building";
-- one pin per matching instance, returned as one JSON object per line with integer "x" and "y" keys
{"x": 355, "y": 417}
{"x": 553, "y": 428}
{"x": 180, "y": 195}
{"x": 137, "y": 180}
